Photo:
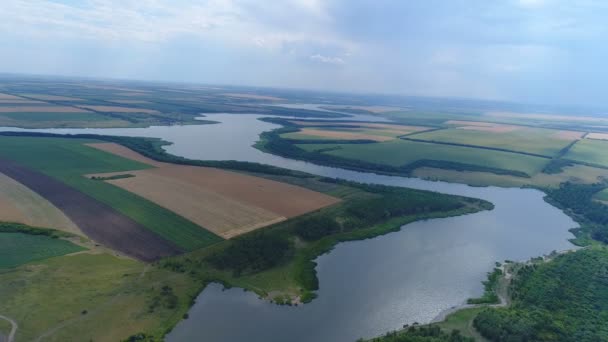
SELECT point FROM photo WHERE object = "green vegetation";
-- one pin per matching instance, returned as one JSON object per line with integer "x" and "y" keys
{"x": 19, "y": 248}
{"x": 121, "y": 176}
{"x": 528, "y": 140}
{"x": 67, "y": 296}
{"x": 68, "y": 160}
{"x": 490, "y": 295}
{"x": 589, "y": 151}
{"x": 578, "y": 201}
{"x": 562, "y": 300}
{"x": 430, "y": 333}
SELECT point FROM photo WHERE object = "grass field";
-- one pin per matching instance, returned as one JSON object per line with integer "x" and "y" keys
{"x": 64, "y": 298}
{"x": 401, "y": 152}
{"x": 17, "y": 248}
{"x": 522, "y": 139}
{"x": 68, "y": 160}
{"x": 589, "y": 151}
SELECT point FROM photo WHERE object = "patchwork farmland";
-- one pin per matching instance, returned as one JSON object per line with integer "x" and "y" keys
{"x": 165, "y": 209}
{"x": 224, "y": 202}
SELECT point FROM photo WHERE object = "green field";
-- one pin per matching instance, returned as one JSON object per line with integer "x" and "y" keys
{"x": 62, "y": 117}
{"x": 401, "y": 152}
{"x": 18, "y": 248}
{"x": 589, "y": 151}
{"x": 93, "y": 297}
{"x": 529, "y": 140}
{"x": 68, "y": 160}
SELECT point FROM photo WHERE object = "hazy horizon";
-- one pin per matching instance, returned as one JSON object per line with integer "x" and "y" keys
{"x": 526, "y": 51}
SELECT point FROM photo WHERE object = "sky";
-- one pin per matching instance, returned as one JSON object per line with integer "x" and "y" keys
{"x": 538, "y": 51}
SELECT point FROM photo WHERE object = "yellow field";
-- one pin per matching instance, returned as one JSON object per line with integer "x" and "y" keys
{"x": 224, "y": 202}
{"x": 20, "y": 204}
{"x": 219, "y": 214}
{"x": 342, "y": 135}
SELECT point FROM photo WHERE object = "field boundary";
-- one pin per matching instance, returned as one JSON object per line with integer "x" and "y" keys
{"x": 478, "y": 146}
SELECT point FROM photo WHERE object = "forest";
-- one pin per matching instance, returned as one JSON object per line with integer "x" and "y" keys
{"x": 562, "y": 300}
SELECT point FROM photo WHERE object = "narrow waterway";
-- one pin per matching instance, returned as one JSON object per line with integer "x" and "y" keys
{"x": 372, "y": 286}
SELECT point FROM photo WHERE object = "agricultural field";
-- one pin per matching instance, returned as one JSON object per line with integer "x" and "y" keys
{"x": 224, "y": 202}
{"x": 318, "y": 130}
{"x": 399, "y": 153}
{"x": 538, "y": 141}
{"x": 56, "y": 167}
{"x": 18, "y": 248}
{"x": 20, "y": 204}
{"x": 589, "y": 151}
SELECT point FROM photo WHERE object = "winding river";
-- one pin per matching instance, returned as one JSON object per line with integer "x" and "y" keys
{"x": 372, "y": 286}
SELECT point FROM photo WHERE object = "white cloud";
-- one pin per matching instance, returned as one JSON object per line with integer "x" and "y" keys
{"x": 327, "y": 59}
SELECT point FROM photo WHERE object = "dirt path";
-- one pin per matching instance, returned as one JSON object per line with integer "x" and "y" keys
{"x": 15, "y": 326}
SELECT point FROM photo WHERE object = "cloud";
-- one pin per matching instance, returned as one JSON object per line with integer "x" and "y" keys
{"x": 326, "y": 59}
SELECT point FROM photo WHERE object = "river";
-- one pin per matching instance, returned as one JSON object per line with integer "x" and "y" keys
{"x": 366, "y": 287}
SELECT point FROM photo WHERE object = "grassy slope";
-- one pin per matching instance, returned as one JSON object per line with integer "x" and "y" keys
{"x": 17, "y": 248}
{"x": 589, "y": 151}
{"x": 401, "y": 152}
{"x": 530, "y": 140}
{"x": 50, "y": 297}
{"x": 68, "y": 160}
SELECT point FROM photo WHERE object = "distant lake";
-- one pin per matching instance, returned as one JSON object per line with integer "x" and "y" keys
{"x": 372, "y": 286}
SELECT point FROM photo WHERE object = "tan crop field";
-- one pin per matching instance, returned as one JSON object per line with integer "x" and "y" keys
{"x": 598, "y": 136}
{"x": 41, "y": 109}
{"x": 339, "y": 135}
{"x": 45, "y": 97}
{"x": 373, "y": 109}
{"x": 9, "y": 97}
{"x": 400, "y": 128}
{"x": 117, "y": 109}
{"x": 227, "y": 203}
{"x": 550, "y": 117}
{"x": 568, "y": 135}
{"x": 20, "y": 204}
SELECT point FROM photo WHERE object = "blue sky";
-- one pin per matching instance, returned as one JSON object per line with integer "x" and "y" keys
{"x": 540, "y": 51}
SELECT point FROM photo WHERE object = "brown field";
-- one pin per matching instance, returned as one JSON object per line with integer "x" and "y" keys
{"x": 9, "y": 97}
{"x": 130, "y": 101}
{"x": 253, "y": 96}
{"x": 117, "y": 109}
{"x": 41, "y": 109}
{"x": 51, "y": 97}
{"x": 569, "y": 135}
{"x": 597, "y": 136}
{"x": 225, "y": 202}
{"x": 344, "y": 135}
{"x": 20, "y": 204}
{"x": 362, "y": 124}
{"x": 20, "y": 101}
{"x": 551, "y": 117}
